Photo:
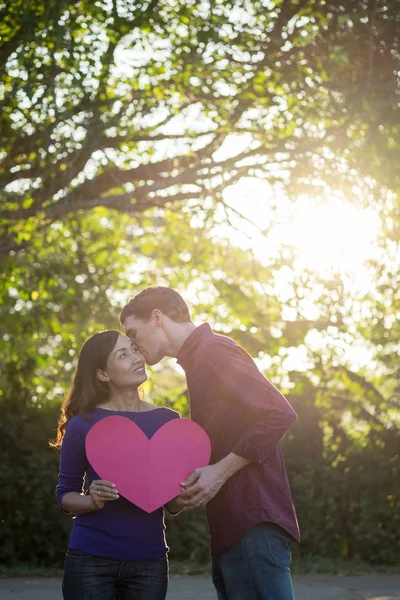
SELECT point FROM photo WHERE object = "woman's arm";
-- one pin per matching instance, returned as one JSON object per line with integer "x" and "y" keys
{"x": 73, "y": 465}
{"x": 100, "y": 491}
{"x": 77, "y": 504}
{"x": 175, "y": 507}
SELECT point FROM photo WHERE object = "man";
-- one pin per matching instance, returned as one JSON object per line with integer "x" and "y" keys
{"x": 250, "y": 512}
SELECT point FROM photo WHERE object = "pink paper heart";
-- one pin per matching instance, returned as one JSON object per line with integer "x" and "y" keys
{"x": 147, "y": 472}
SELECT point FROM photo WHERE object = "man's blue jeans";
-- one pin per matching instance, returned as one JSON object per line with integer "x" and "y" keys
{"x": 256, "y": 567}
{"x": 88, "y": 577}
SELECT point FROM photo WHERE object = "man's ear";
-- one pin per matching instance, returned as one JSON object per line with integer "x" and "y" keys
{"x": 157, "y": 317}
{"x": 102, "y": 375}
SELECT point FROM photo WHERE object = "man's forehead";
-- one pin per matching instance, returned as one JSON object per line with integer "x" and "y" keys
{"x": 132, "y": 323}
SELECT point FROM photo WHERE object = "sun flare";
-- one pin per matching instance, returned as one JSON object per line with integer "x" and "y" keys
{"x": 334, "y": 235}
{"x": 325, "y": 236}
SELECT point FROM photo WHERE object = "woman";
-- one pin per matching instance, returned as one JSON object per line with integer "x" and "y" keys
{"x": 116, "y": 550}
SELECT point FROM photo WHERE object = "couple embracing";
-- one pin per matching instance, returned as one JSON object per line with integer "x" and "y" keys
{"x": 117, "y": 550}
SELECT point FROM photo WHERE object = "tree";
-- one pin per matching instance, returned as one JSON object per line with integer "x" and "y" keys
{"x": 136, "y": 105}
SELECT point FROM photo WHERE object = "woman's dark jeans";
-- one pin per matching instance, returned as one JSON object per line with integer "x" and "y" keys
{"x": 88, "y": 577}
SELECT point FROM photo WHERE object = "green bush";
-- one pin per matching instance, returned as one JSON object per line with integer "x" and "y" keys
{"x": 33, "y": 529}
{"x": 349, "y": 511}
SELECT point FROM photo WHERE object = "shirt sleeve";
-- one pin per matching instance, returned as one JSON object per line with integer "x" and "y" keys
{"x": 264, "y": 412}
{"x": 73, "y": 461}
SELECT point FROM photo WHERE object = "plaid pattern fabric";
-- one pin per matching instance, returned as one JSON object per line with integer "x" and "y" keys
{"x": 243, "y": 413}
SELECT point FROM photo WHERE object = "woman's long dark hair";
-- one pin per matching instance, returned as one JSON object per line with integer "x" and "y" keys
{"x": 87, "y": 390}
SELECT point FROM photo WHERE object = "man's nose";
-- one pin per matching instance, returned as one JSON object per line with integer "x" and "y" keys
{"x": 137, "y": 356}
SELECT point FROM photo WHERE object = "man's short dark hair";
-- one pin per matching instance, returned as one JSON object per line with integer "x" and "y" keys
{"x": 164, "y": 298}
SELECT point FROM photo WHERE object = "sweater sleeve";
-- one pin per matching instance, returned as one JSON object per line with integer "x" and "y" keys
{"x": 73, "y": 461}
{"x": 264, "y": 413}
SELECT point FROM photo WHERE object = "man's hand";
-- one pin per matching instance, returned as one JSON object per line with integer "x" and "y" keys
{"x": 202, "y": 485}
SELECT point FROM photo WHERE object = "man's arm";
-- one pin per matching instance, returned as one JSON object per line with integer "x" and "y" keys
{"x": 204, "y": 483}
{"x": 264, "y": 412}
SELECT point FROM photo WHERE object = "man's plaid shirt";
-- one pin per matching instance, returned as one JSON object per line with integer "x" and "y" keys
{"x": 243, "y": 413}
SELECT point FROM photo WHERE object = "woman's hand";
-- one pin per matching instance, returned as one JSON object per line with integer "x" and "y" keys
{"x": 175, "y": 506}
{"x": 102, "y": 491}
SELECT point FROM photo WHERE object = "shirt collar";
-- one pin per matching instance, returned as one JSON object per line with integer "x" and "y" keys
{"x": 189, "y": 345}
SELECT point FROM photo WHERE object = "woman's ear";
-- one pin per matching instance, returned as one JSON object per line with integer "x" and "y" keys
{"x": 102, "y": 375}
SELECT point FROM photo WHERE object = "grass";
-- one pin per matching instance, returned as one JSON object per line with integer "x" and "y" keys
{"x": 300, "y": 566}
{"x": 189, "y": 567}
{"x": 29, "y": 571}
{"x": 336, "y": 566}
